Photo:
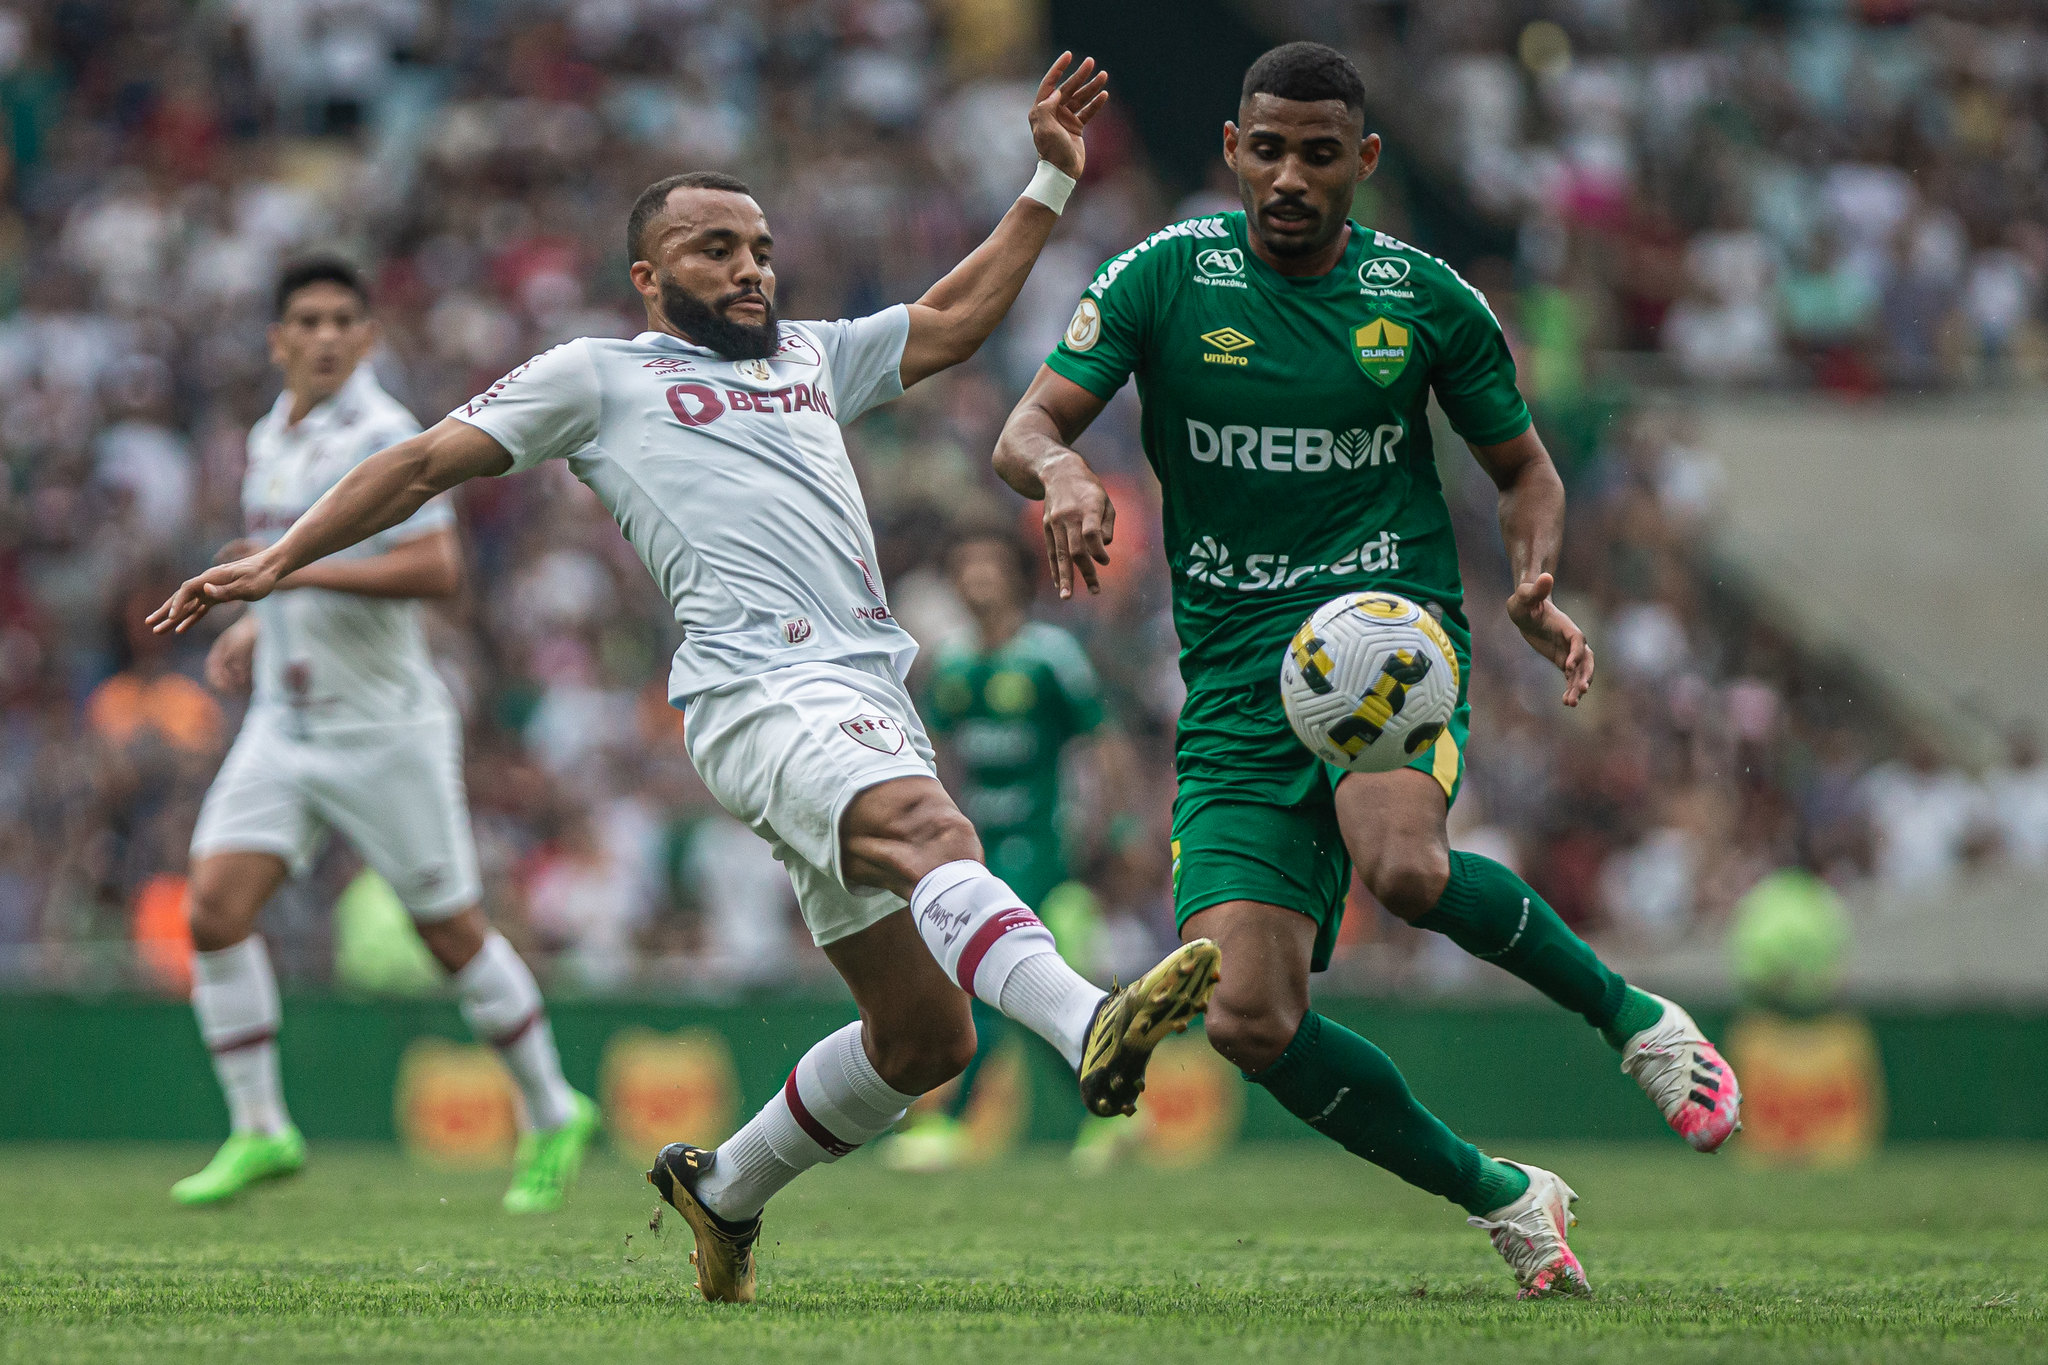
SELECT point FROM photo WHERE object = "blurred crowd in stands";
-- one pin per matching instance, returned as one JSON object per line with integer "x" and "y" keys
{"x": 1846, "y": 193}
{"x": 1856, "y": 191}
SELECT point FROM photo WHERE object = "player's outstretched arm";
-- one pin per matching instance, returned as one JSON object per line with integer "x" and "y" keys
{"x": 379, "y": 493}
{"x": 1532, "y": 525}
{"x": 1035, "y": 456}
{"x": 958, "y": 313}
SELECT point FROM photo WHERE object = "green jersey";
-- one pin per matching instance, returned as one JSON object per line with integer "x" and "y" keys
{"x": 1287, "y": 422}
{"x": 1008, "y": 713}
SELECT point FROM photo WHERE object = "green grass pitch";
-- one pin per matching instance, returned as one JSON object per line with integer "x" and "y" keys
{"x": 1281, "y": 1254}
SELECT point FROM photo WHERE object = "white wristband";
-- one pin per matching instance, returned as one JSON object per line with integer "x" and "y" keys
{"x": 1050, "y": 186}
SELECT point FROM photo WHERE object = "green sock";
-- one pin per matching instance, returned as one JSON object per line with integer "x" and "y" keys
{"x": 1495, "y": 916}
{"x": 1639, "y": 1010}
{"x": 1348, "y": 1090}
{"x": 988, "y": 1031}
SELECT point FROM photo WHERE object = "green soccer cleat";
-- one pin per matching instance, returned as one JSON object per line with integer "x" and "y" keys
{"x": 242, "y": 1160}
{"x": 1134, "y": 1019}
{"x": 932, "y": 1143}
{"x": 548, "y": 1162}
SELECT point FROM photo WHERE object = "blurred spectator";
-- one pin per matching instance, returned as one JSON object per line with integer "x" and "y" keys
{"x": 2018, "y": 794}
{"x": 1923, "y": 816}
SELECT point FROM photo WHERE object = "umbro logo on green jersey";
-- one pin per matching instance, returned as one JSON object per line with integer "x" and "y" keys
{"x": 1226, "y": 340}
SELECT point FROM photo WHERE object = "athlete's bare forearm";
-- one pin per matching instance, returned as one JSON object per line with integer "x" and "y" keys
{"x": 1531, "y": 503}
{"x": 1035, "y": 456}
{"x": 958, "y": 313}
{"x": 961, "y": 311}
{"x": 425, "y": 566}
{"x": 1532, "y": 525}
{"x": 377, "y": 494}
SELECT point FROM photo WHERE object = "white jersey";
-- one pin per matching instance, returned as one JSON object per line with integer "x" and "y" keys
{"x": 326, "y": 660}
{"x": 730, "y": 479}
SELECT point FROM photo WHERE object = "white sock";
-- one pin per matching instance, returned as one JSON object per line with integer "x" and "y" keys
{"x": 1054, "y": 1001}
{"x": 982, "y": 934}
{"x": 832, "y": 1103}
{"x": 502, "y": 1005}
{"x": 234, "y": 993}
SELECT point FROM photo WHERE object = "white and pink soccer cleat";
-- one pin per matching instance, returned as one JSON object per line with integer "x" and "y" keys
{"x": 1529, "y": 1235}
{"x": 1679, "y": 1069}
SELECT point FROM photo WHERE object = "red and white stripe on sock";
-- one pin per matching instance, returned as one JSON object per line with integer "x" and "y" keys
{"x": 833, "y": 1102}
{"x": 502, "y": 1005}
{"x": 988, "y": 940}
{"x": 234, "y": 995}
{"x": 976, "y": 926}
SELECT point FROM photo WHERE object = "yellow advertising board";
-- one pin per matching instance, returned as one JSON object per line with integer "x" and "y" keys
{"x": 657, "y": 1088}
{"x": 455, "y": 1104}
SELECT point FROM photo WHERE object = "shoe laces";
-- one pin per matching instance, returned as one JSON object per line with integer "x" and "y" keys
{"x": 1528, "y": 1240}
{"x": 1664, "y": 1070}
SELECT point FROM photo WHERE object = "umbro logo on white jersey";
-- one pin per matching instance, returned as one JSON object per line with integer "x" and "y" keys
{"x": 879, "y": 733}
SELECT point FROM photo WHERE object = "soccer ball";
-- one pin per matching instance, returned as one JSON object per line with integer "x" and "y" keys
{"x": 1369, "y": 681}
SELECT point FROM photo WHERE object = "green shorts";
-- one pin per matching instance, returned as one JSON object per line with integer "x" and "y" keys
{"x": 1256, "y": 819}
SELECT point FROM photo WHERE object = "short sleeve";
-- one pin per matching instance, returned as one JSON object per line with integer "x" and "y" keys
{"x": 547, "y": 408}
{"x": 1474, "y": 377}
{"x": 1105, "y": 339}
{"x": 864, "y": 357}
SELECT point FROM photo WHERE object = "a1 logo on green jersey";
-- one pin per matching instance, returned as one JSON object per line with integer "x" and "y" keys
{"x": 1380, "y": 347}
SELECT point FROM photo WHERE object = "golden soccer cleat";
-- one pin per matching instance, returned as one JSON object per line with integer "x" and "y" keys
{"x": 1134, "y": 1019}
{"x": 725, "y": 1250}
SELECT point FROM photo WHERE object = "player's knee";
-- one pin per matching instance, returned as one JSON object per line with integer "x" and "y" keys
{"x": 1410, "y": 883}
{"x": 1252, "y": 1035}
{"x": 219, "y": 920}
{"x": 940, "y": 833}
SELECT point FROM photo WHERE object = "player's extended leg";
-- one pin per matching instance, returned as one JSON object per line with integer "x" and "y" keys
{"x": 1394, "y": 826}
{"x": 907, "y": 836}
{"x": 1350, "y": 1091}
{"x": 914, "y": 1034}
{"x": 502, "y": 1004}
{"x": 234, "y": 994}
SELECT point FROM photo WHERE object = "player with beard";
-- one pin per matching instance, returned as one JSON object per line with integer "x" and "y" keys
{"x": 1285, "y": 359}
{"x": 714, "y": 439}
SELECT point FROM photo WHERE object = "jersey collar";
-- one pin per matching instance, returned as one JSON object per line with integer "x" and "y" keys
{"x": 1333, "y": 282}
{"x": 669, "y": 341}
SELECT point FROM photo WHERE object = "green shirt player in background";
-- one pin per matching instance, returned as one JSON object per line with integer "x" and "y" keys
{"x": 1285, "y": 358}
{"x": 1006, "y": 704}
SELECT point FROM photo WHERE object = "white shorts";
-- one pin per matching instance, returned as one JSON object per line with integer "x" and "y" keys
{"x": 786, "y": 751}
{"x": 393, "y": 791}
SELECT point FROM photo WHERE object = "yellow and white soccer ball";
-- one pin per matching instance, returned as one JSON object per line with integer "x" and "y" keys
{"x": 1369, "y": 682}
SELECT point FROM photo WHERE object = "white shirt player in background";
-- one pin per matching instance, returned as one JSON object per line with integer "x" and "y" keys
{"x": 350, "y": 729}
{"x": 713, "y": 437}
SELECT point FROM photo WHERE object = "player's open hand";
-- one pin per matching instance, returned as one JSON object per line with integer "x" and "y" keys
{"x": 241, "y": 580}
{"x": 1063, "y": 109}
{"x": 1553, "y": 635}
{"x": 1080, "y": 522}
